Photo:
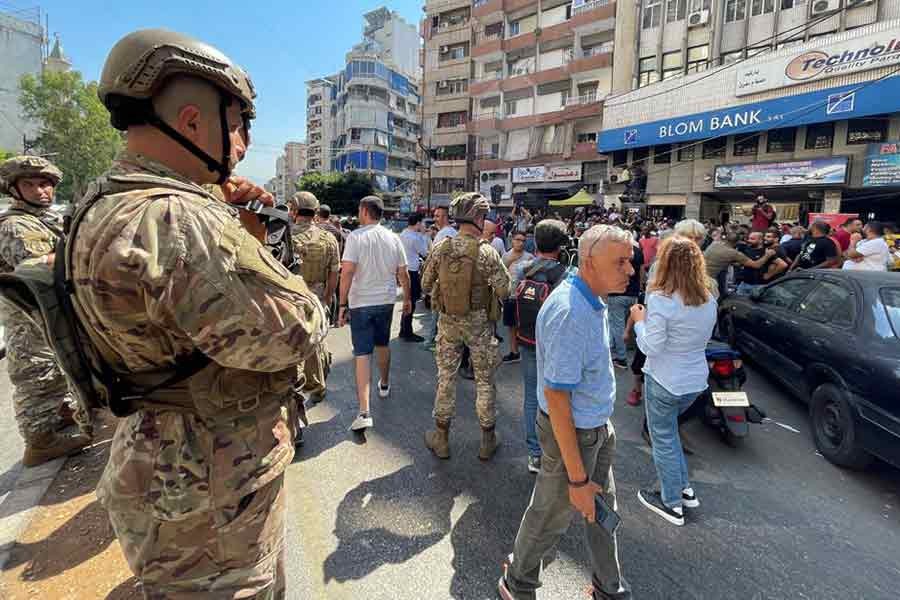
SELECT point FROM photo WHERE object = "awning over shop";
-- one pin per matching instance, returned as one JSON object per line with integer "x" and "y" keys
{"x": 582, "y": 198}
{"x": 667, "y": 200}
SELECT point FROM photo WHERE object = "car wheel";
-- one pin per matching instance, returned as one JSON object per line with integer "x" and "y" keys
{"x": 834, "y": 428}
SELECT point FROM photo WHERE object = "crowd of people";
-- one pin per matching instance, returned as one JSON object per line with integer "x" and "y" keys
{"x": 207, "y": 345}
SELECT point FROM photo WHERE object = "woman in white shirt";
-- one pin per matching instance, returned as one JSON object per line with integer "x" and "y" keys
{"x": 871, "y": 253}
{"x": 673, "y": 331}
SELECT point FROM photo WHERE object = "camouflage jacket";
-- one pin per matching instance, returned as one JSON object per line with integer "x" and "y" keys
{"x": 491, "y": 270}
{"x": 29, "y": 235}
{"x": 162, "y": 268}
{"x": 317, "y": 251}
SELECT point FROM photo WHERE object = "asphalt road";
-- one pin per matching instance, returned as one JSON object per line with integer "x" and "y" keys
{"x": 379, "y": 517}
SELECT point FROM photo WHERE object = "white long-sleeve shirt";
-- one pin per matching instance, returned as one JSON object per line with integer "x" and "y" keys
{"x": 674, "y": 338}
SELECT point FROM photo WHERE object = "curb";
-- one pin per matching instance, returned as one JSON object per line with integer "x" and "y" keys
{"x": 18, "y": 506}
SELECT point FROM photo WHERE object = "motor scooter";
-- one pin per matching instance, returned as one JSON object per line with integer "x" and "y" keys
{"x": 724, "y": 405}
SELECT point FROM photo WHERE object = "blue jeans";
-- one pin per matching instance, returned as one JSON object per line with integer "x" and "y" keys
{"x": 744, "y": 289}
{"x": 530, "y": 379}
{"x": 619, "y": 307}
{"x": 663, "y": 409}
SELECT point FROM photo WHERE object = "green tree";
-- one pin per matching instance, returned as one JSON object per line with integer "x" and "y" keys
{"x": 74, "y": 130}
{"x": 341, "y": 191}
{"x": 4, "y": 154}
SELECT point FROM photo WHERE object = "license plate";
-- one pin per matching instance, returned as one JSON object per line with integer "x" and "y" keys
{"x": 726, "y": 399}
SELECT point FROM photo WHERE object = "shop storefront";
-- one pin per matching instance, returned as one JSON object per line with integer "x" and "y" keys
{"x": 536, "y": 186}
{"x": 769, "y": 127}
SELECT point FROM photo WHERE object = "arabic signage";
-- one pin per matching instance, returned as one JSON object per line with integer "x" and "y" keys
{"x": 816, "y": 171}
{"x": 879, "y": 49}
{"x": 882, "y": 165}
{"x": 568, "y": 172}
{"x": 563, "y": 173}
{"x": 527, "y": 174}
{"x": 833, "y": 104}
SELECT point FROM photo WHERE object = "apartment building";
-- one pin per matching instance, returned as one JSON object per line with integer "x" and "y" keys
{"x": 541, "y": 72}
{"x": 366, "y": 117}
{"x": 446, "y": 74}
{"x": 22, "y": 40}
{"x": 794, "y": 99}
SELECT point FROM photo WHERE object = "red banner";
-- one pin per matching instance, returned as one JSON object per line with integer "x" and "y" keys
{"x": 833, "y": 219}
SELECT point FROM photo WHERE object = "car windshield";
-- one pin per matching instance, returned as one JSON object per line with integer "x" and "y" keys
{"x": 891, "y": 299}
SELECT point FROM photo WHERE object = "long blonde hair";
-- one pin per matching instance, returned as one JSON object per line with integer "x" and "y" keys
{"x": 681, "y": 269}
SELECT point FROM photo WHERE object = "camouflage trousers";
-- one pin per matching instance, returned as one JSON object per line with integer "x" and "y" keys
{"x": 232, "y": 551}
{"x": 476, "y": 332}
{"x": 40, "y": 387}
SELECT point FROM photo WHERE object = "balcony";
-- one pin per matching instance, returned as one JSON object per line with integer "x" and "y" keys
{"x": 485, "y": 122}
{"x": 489, "y": 82}
{"x": 482, "y": 8}
{"x": 590, "y": 6}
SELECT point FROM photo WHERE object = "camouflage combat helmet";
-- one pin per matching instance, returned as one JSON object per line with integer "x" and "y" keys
{"x": 305, "y": 201}
{"x": 139, "y": 65}
{"x": 467, "y": 208}
{"x": 19, "y": 167}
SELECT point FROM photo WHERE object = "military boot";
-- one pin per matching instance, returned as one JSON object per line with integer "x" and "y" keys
{"x": 438, "y": 441}
{"x": 44, "y": 447}
{"x": 489, "y": 443}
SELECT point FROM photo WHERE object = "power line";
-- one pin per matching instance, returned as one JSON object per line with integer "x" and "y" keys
{"x": 716, "y": 71}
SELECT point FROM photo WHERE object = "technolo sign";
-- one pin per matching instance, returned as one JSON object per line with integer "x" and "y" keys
{"x": 880, "y": 49}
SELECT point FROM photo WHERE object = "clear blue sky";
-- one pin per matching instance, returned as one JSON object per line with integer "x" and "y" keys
{"x": 281, "y": 43}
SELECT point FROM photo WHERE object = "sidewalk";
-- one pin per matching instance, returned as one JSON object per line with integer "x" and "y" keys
{"x": 68, "y": 550}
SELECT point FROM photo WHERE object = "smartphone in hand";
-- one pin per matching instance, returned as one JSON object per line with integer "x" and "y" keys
{"x": 605, "y": 516}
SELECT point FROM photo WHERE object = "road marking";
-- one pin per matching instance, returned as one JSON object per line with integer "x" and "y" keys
{"x": 782, "y": 425}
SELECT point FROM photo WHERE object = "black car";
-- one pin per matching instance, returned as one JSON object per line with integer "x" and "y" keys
{"x": 833, "y": 338}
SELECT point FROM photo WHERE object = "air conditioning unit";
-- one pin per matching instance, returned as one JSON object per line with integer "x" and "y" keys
{"x": 443, "y": 84}
{"x": 820, "y": 7}
{"x": 444, "y": 25}
{"x": 445, "y": 49}
{"x": 696, "y": 19}
{"x": 855, "y": 3}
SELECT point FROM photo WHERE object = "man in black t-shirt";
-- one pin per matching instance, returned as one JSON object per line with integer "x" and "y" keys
{"x": 752, "y": 277}
{"x": 792, "y": 247}
{"x": 779, "y": 264}
{"x": 818, "y": 251}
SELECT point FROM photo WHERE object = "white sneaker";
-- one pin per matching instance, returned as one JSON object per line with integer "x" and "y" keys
{"x": 689, "y": 498}
{"x": 383, "y": 392}
{"x": 362, "y": 421}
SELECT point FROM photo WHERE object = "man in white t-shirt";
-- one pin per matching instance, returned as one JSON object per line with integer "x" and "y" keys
{"x": 442, "y": 222}
{"x": 416, "y": 244}
{"x": 374, "y": 261}
{"x": 490, "y": 235}
{"x": 871, "y": 253}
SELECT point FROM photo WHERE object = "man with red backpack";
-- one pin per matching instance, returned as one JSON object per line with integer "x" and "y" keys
{"x": 535, "y": 279}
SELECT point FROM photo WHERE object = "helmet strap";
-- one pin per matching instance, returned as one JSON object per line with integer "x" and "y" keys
{"x": 212, "y": 164}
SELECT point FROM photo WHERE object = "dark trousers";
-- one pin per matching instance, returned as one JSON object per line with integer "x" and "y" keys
{"x": 415, "y": 292}
{"x": 549, "y": 513}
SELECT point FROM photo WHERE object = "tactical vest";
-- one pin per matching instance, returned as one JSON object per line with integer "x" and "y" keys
{"x": 463, "y": 287}
{"x": 47, "y": 297}
{"x": 44, "y": 222}
{"x": 312, "y": 249}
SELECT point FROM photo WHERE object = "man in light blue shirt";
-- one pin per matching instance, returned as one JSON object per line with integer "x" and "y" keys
{"x": 576, "y": 392}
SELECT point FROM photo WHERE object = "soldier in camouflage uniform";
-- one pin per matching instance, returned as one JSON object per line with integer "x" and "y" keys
{"x": 162, "y": 269}
{"x": 319, "y": 263}
{"x": 466, "y": 279}
{"x": 30, "y": 230}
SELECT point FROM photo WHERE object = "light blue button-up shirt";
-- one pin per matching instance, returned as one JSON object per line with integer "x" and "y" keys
{"x": 573, "y": 352}
{"x": 674, "y": 338}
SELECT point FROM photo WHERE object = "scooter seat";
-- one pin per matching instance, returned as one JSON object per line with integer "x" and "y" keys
{"x": 716, "y": 350}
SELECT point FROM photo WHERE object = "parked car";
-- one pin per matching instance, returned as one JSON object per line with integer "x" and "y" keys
{"x": 832, "y": 338}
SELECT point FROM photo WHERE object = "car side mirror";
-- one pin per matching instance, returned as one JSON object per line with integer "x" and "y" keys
{"x": 756, "y": 294}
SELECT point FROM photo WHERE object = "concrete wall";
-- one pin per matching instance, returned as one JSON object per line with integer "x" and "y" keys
{"x": 20, "y": 53}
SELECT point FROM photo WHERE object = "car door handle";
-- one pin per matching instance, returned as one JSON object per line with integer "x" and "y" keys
{"x": 817, "y": 343}
{"x": 768, "y": 321}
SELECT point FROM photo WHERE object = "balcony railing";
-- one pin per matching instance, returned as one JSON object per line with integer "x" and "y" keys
{"x": 603, "y": 48}
{"x": 585, "y": 99}
{"x": 589, "y": 6}
{"x": 490, "y": 76}
{"x": 487, "y": 116}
